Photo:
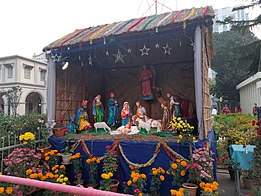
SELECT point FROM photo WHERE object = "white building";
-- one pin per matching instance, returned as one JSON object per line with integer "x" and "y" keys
{"x": 222, "y": 13}
{"x": 250, "y": 92}
{"x": 28, "y": 74}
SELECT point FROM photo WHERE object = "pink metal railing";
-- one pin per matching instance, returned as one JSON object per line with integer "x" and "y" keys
{"x": 57, "y": 187}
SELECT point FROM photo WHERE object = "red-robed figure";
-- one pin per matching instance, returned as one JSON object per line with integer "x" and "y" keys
{"x": 145, "y": 82}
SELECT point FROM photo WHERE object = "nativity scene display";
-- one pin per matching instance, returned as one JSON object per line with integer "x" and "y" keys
{"x": 114, "y": 117}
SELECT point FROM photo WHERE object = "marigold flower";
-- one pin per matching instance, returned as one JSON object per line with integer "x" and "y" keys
{"x": 2, "y": 189}
{"x": 143, "y": 176}
{"x": 162, "y": 178}
{"x": 183, "y": 163}
{"x": 56, "y": 171}
{"x": 202, "y": 184}
{"x": 88, "y": 160}
{"x": 29, "y": 171}
{"x": 180, "y": 136}
{"x": 181, "y": 189}
{"x": 178, "y": 160}
{"x": 9, "y": 190}
{"x": 214, "y": 187}
{"x": 173, "y": 192}
{"x": 167, "y": 172}
{"x": 207, "y": 185}
{"x": 129, "y": 182}
{"x": 183, "y": 173}
{"x": 93, "y": 159}
{"x": 47, "y": 158}
{"x": 135, "y": 179}
{"x": 40, "y": 175}
{"x": 56, "y": 176}
{"x": 98, "y": 161}
{"x": 215, "y": 183}
{"x": 154, "y": 173}
{"x": 43, "y": 178}
{"x": 59, "y": 154}
{"x": 62, "y": 167}
{"x": 153, "y": 169}
{"x": 174, "y": 166}
{"x": 179, "y": 193}
{"x": 140, "y": 194}
{"x": 110, "y": 174}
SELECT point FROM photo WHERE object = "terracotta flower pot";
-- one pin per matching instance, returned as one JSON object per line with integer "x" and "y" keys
{"x": 192, "y": 188}
{"x": 66, "y": 158}
{"x": 59, "y": 132}
{"x": 44, "y": 149}
{"x": 114, "y": 185}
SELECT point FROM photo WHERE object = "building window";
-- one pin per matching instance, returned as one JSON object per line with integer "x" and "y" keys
{"x": 27, "y": 72}
{"x": 10, "y": 71}
{"x": 42, "y": 75}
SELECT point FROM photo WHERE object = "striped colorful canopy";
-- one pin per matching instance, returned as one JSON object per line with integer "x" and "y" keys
{"x": 156, "y": 22}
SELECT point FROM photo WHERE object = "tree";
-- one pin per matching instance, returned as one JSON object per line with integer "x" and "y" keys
{"x": 245, "y": 26}
{"x": 229, "y": 62}
{"x": 13, "y": 97}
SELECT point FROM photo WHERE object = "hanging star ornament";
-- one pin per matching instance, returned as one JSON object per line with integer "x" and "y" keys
{"x": 90, "y": 59}
{"x": 167, "y": 49}
{"x": 107, "y": 53}
{"x": 157, "y": 45}
{"x": 144, "y": 50}
{"x": 129, "y": 50}
{"x": 119, "y": 57}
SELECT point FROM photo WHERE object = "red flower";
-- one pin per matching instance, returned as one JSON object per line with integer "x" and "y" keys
{"x": 108, "y": 147}
{"x": 112, "y": 165}
{"x": 217, "y": 159}
{"x": 253, "y": 122}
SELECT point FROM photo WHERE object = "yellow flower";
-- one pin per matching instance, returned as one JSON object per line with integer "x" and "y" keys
{"x": 135, "y": 179}
{"x": 155, "y": 172}
{"x": 214, "y": 187}
{"x": 179, "y": 193}
{"x": 65, "y": 179}
{"x": 215, "y": 183}
{"x": 28, "y": 172}
{"x": 183, "y": 173}
{"x": 202, "y": 184}
{"x": 61, "y": 176}
{"x": 110, "y": 174}
{"x": 2, "y": 189}
{"x": 9, "y": 190}
{"x": 207, "y": 185}
{"x": 180, "y": 136}
{"x": 129, "y": 182}
{"x": 40, "y": 175}
{"x": 183, "y": 163}
{"x": 162, "y": 178}
{"x": 178, "y": 119}
{"x": 25, "y": 143}
{"x": 174, "y": 166}
{"x": 61, "y": 180}
{"x": 64, "y": 183}
{"x": 173, "y": 192}
{"x": 167, "y": 172}
{"x": 143, "y": 176}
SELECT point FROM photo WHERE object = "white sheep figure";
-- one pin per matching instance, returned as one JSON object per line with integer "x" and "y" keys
{"x": 149, "y": 124}
{"x": 101, "y": 125}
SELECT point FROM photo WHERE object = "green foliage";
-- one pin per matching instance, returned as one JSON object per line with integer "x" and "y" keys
{"x": 14, "y": 126}
{"x": 230, "y": 61}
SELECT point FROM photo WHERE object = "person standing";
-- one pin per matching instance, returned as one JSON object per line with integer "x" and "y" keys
{"x": 255, "y": 109}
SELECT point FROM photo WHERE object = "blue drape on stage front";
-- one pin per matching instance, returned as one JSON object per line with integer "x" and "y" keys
{"x": 136, "y": 152}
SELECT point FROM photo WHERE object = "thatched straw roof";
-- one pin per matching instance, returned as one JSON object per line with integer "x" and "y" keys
{"x": 149, "y": 23}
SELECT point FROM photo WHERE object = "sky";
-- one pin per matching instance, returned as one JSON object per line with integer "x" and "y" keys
{"x": 27, "y": 26}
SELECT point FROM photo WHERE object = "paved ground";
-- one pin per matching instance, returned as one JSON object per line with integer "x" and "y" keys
{"x": 227, "y": 186}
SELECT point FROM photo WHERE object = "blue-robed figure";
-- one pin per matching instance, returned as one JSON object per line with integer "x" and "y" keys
{"x": 81, "y": 117}
{"x": 113, "y": 110}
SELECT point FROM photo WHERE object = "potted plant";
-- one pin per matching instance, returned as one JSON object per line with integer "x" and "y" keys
{"x": 45, "y": 132}
{"x": 59, "y": 130}
{"x": 177, "y": 170}
{"x": 76, "y": 161}
{"x": 92, "y": 167}
{"x": 156, "y": 180}
{"x": 110, "y": 166}
{"x": 66, "y": 156}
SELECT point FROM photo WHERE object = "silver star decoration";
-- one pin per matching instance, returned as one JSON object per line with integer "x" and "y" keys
{"x": 90, "y": 59}
{"x": 144, "y": 51}
{"x": 55, "y": 57}
{"x": 107, "y": 53}
{"x": 157, "y": 45}
{"x": 167, "y": 49}
{"x": 129, "y": 50}
{"x": 119, "y": 57}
